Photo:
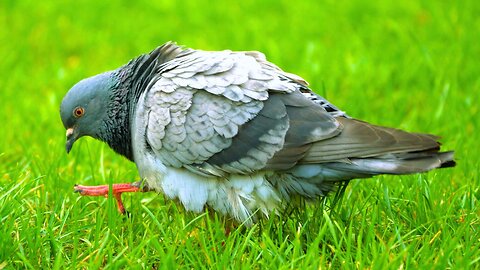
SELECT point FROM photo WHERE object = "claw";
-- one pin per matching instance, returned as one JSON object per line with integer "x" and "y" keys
{"x": 76, "y": 189}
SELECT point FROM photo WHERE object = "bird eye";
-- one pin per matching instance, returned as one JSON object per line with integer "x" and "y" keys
{"x": 78, "y": 112}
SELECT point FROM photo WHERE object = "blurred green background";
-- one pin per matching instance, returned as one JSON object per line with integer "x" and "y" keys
{"x": 408, "y": 64}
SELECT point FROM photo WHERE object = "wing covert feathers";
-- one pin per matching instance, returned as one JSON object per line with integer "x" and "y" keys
{"x": 220, "y": 113}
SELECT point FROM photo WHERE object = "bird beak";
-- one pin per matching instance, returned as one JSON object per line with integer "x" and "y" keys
{"x": 71, "y": 138}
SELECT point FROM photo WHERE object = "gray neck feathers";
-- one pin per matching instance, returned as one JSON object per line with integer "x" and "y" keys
{"x": 131, "y": 81}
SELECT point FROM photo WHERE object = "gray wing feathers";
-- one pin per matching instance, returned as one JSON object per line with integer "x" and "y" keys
{"x": 278, "y": 137}
{"x": 260, "y": 57}
{"x": 199, "y": 104}
{"x": 360, "y": 140}
{"x": 308, "y": 123}
{"x": 235, "y": 75}
{"x": 217, "y": 113}
{"x": 197, "y": 125}
{"x": 257, "y": 141}
{"x": 171, "y": 50}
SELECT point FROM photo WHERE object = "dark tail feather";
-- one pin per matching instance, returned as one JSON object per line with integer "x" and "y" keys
{"x": 447, "y": 160}
{"x": 404, "y": 163}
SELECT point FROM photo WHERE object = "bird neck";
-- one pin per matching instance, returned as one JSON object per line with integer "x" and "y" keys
{"x": 131, "y": 82}
{"x": 115, "y": 130}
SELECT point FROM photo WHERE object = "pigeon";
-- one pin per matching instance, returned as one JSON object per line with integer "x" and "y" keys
{"x": 231, "y": 131}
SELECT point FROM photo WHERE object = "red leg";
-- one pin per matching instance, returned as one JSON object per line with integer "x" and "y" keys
{"x": 117, "y": 190}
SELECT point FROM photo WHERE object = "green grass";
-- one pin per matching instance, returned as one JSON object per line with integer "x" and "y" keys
{"x": 412, "y": 65}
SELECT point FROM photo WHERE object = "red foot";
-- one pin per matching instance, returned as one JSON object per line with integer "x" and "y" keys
{"x": 117, "y": 190}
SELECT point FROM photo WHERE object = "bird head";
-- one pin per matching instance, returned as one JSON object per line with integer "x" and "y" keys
{"x": 84, "y": 107}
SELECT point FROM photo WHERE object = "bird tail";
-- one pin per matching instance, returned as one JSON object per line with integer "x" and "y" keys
{"x": 363, "y": 150}
{"x": 312, "y": 180}
{"x": 400, "y": 163}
